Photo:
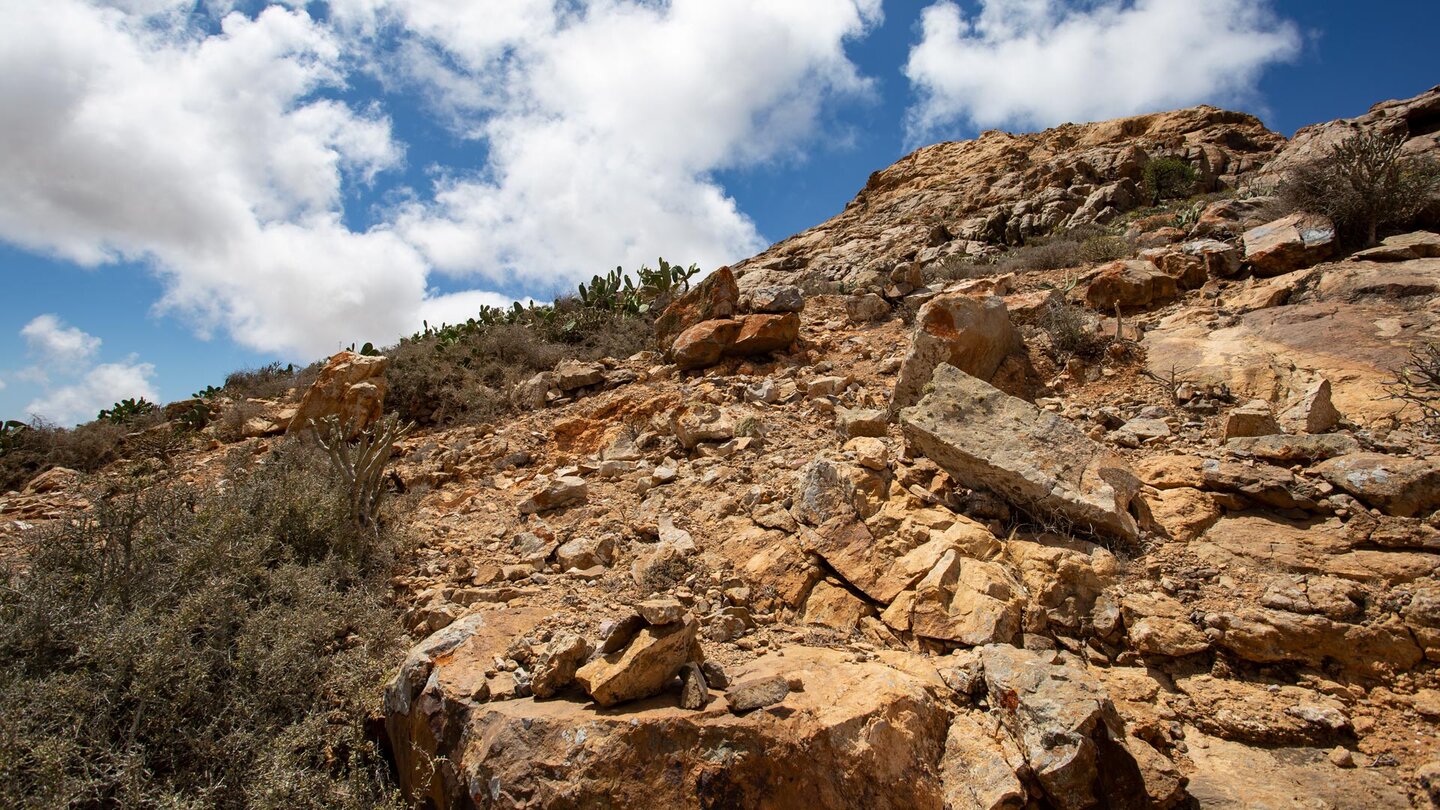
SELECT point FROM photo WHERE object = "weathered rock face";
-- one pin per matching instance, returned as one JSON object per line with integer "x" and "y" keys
{"x": 986, "y": 439}
{"x": 1349, "y": 323}
{"x": 1003, "y": 188}
{"x": 1416, "y": 120}
{"x": 1291, "y": 243}
{"x": 351, "y": 386}
{"x": 972, "y": 334}
{"x": 1130, "y": 285}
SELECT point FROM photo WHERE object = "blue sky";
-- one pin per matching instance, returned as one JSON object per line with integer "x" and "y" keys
{"x": 197, "y": 187}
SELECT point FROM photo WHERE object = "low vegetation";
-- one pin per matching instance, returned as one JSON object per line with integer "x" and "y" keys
{"x": 185, "y": 648}
{"x": 1366, "y": 185}
{"x": 1075, "y": 247}
{"x": 1167, "y": 178}
{"x": 458, "y": 372}
{"x": 30, "y": 449}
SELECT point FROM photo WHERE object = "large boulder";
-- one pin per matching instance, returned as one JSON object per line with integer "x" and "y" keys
{"x": 1289, "y": 243}
{"x": 716, "y": 297}
{"x": 1067, "y": 728}
{"x": 703, "y": 344}
{"x": 763, "y": 333}
{"x": 969, "y": 333}
{"x": 351, "y": 387}
{"x": 1039, "y": 461}
{"x": 1130, "y": 284}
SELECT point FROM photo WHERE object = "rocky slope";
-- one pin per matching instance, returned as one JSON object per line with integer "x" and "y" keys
{"x": 962, "y": 197}
{"x": 843, "y": 551}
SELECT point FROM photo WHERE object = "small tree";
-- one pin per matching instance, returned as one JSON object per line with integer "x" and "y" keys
{"x": 1167, "y": 178}
{"x": 1364, "y": 185}
{"x": 1418, "y": 384}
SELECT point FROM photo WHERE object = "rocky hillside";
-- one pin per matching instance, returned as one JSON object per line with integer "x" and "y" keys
{"x": 1152, "y": 532}
{"x": 959, "y": 198}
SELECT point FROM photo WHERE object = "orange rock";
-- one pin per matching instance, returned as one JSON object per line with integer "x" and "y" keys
{"x": 764, "y": 333}
{"x": 703, "y": 344}
{"x": 714, "y": 298}
{"x": 351, "y": 386}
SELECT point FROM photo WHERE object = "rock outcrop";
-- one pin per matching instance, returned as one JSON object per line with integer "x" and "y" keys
{"x": 986, "y": 439}
{"x": 1002, "y": 189}
{"x": 350, "y": 387}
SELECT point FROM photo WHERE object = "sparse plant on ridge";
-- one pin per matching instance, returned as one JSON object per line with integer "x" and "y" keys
{"x": 1365, "y": 185}
{"x": 1418, "y": 384}
{"x": 1167, "y": 178}
{"x": 126, "y": 411}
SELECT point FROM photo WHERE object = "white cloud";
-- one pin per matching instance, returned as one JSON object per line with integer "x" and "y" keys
{"x": 100, "y": 387}
{"x": 1036, "y": 63}
{"x": 210, "y": 157}
{"x": 224, "y": 160}
{"x": 73, "y": 386}
{"x": 605, "y": 124}
{"x": 56, "y": 344}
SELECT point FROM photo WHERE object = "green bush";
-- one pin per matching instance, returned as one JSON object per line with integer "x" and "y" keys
{"x": 179, "y": 648}
{"x": 126, "y": 411}
{"x": 1167, "y": 178}
{"x": 1365, "y": 185}
{"x": 449, "y": 375}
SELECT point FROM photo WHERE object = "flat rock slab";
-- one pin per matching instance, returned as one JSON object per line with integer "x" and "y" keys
{"x": 861, "y": 735}
{"x": 1039, "y": 461}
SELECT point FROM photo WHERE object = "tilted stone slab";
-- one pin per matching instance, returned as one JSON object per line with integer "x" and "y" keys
{"x": 1039, "y": 461}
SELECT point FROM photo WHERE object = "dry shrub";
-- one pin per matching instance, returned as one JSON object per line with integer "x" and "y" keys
{"x": 435, "y": 382}
{"x": 1072, "y": 332}
{"x": 85, "y": 448}
{"x": 179, "y": 648}
{"x": 273, "y": 381}
{"x": 1366, "y": 185}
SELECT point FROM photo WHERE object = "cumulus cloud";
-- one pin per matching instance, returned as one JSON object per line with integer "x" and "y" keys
{"x": 605, "y": 122}
{"x": 222, "y": 155}
{"x": 210, "y": 157}
{"x": 54, "y": 343}
{"x": 1036, "y": 63}
{"x": 99, "y": 387}
{"x": 75, "y": 388}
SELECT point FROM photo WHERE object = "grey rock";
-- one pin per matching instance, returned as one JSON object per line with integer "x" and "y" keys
{"x": 1039, "y": 461}
{"x": 694, "y": 693}
{"x": 776, "y": 299}
{"x": 756, "y": 693}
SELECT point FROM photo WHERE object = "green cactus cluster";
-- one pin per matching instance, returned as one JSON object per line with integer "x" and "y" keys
{"x": 196, "y": 418}
{"x": 126, "y": 410}
{"x": 208, "y": 393}
{"x": 615, "y": 292}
